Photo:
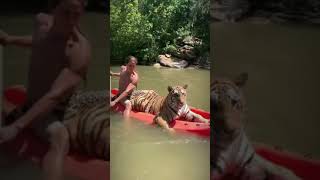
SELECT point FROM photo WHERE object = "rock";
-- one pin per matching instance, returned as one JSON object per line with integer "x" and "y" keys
{"x": 186, "y": 52}
{"x": 180, "y": 64}
{"x": 203, "y": 62}
{"x": 279, "y": 11}
{"x": 157, "y": 65}
{"x": 229, "y": 10}
{"x": 172, "y": 62}
{"x": 191, "y": 41}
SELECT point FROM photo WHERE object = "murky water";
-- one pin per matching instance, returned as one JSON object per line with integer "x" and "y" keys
{"x": 145, "y": 152}
{"x": 283, "y": 87}
{"x": 15, "y": 68}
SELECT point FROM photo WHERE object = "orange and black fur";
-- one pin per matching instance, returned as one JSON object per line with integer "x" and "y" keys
{"x": 169, "y": 108}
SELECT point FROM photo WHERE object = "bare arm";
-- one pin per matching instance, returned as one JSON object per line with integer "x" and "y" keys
{"x": 41, "y": 25}
{"x": 125, "y": 93}
{"x": 129, "y": 88}
{"x": 24, "y": 41}
{"x": 114, "y": 74}
{"x": 62, "y": 87}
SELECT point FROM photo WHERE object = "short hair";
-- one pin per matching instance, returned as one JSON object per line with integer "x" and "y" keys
{"x": 132, "y": 59}
{"x": 54, "y": 3}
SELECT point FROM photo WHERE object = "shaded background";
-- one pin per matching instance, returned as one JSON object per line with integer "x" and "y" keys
{"x": 282, "y": 91}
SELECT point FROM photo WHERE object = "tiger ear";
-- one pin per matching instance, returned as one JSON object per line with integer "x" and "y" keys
{"x": 185, "y": 86}
{"x": 241, "y": 79}
{"x": 170, "y": 88}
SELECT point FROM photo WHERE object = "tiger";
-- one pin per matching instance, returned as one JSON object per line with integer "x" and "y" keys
{"x": 166, "y": 109}
{"x": 88, "y": 123}
{"x": 232, "y": 154}
{"x": 86, "y": 118}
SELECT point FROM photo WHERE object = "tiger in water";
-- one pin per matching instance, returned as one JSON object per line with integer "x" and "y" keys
{"x": 232, "y": 154}
{"x": 166, "y": 109}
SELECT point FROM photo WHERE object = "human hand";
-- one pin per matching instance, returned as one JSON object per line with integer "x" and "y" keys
{"x": 8, "y": 133}
{"x": 112, "y": 103}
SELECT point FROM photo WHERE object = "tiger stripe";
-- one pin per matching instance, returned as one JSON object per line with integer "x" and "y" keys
{"x": 88, "y": 122}
{"x": 169, "y": 107}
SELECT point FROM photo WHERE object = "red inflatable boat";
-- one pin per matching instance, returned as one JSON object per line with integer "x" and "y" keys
{"x": 201, "y": 129}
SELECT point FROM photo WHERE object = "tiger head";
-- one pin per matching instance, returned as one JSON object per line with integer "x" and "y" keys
{"x": 227, "y": 102}
{"x": 177, "y": 96}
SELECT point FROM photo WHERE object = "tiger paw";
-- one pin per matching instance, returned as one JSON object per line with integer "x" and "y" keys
{"x": 171, "y": 131}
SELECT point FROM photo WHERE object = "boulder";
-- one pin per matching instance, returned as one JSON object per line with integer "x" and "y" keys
{"x": 169, "y": 61}
{"x": 157, "y": 65}
{"x": 229, "y": 10}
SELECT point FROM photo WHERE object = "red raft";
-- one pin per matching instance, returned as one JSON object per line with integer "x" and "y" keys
{"x": 27, "y": 146}
{"x": 201, "y": 129}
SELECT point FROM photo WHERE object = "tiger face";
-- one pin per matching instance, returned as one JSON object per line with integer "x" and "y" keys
{"x": 232, "y": 156}
{"x": 228, "y": 103}
{"x": 177, "y": 96}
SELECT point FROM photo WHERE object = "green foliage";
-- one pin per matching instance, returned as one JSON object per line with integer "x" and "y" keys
{"x": 170, "y": 49}
{"x": 146, "y": 28}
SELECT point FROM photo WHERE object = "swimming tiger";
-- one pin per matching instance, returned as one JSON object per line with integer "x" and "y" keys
{"x": 232, "y": 155}
{"x": 166, "y": 109}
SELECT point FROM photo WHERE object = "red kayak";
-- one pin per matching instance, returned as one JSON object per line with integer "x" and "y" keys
{"x": 201, "y": 129}
{"x": 305, "y": 168}
{"x": 27, "y": 146}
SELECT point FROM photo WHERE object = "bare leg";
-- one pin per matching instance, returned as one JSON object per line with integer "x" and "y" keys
{"x": 126, "y": 112}
{"x": 59, "y": 147}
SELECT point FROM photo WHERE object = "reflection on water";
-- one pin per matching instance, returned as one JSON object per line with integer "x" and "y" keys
{"x": 283, "y": 87}
{"x": 144, "y": 152}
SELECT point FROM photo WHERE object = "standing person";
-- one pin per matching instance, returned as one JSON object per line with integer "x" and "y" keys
{"x": 128, "y": 82}
{"x": 60, "y": 56}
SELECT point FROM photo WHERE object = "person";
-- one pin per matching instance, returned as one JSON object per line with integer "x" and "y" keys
{"x": 128, "y": 81}
{"x": 60, "y": 55}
